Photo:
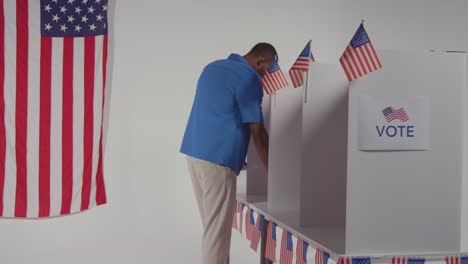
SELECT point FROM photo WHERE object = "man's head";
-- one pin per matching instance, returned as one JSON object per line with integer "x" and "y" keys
{"x": 261, "y": 56}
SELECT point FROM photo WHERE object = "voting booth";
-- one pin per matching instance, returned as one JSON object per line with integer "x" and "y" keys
{"x": 373, "y": 166}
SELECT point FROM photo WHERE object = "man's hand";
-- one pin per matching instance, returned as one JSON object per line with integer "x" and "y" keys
{"x": 260, "y": 138}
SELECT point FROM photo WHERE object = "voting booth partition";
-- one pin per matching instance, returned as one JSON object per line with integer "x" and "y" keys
{"x": 371, "y": 167}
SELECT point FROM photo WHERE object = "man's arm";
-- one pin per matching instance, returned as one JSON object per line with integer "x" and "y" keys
{"x": 260, "y": 138}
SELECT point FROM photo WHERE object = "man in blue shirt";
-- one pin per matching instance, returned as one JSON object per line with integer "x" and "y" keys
{"x": 226, "y": 113}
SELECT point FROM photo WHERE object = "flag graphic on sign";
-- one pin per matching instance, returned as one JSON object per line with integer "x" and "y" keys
{"x": 360, "y": 57}
{"x": 270, "y": 251}
{"x": 395, "y": 114}
{"x": 274, "y": 79}
{"x": 301, "y": 251}
{"x": 52, "y": 90}
{"x": 286, "y": 253}
{"x": 301, "y": 66}
{"x": 321, "y": 257}
{"x": 257, "y": 233}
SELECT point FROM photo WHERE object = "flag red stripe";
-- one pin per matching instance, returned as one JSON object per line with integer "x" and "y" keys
{"x": 67, "y": 126}
{"x": 345, "y": 69}
{"x": 101, "y": 190}
{"x": 2, "y": 105}
{"x": 351, "y": 55}
{"x": 21, "y": 118}
{"x": 371, "y": 57}
{"x": 347, "y": 60}
{"x": 375, "y": 55}
{"x": 89, "y": 61}
{"x": 363, "y": 54}
{"x": 361, "y": 63}
{"x": 44, "y": 126}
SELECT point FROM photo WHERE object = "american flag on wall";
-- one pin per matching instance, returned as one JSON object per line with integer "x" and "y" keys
{"x": 274, "y": 79}
{"x": 301, "y": 66}
{"x": 301, "y": 251}
{"x": 286, "y": 253}
{"x": 360, "y": 57}
{"x": 270, "y": 250}
{"x": 321, "y": 257}
{"x": 257, "y": 232}
{"x": 53, "y": 57}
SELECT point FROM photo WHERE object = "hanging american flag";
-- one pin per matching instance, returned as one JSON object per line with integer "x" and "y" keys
{"x": 234, "y": 216}
{"x": 344, "y": 260}
{"x": 257, "y": 233}
{"x": 452, "y": 260}
{"x": 415, "y": 261}
{"x": 301, "y": 251}
{"x": 53, "y": 57}
{"x": 361, "y": 261}
{"x": 270, "y": 250}
{"x": 240, "y": 210}
{"x": 274, "y": 79}
{"x": 321, "y": 257}
{"x": 464, "y": 260}
{"x": 360, "y": 57}
{"x": 398, "y": 260}
{"x": 286, "y": 253}
{"x": 301, "y": 66}
{"x": 249, "y": 224}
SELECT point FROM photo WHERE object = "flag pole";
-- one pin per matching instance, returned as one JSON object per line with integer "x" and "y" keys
{"x": 306, "y": 85}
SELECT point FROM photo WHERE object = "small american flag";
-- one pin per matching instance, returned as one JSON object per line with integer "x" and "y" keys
{"x": 234, "y": 218}
{"x": 270, "y": 251}
{"x": 452, "y": 260}
{"x": 53, "y": 64}
{"x": 250, "y": 224}
{"x": 321, "y": 257}
{"x": 360, "y": 57}
{"x": 395, "y": 114}
{"x": 361, "y": 261}
{"x": 464, "y": 260}
{"x": 398, "y": 260}
{"x": 345, "y": 260}
{"x": 286, "y": 253}
{"x": 274, "y": 79}
{"x": 301, "y": 66}
{"x": 257, "y": 233}
{"x": 301, "y": 251}
{"x": 240, "y": 210}
{"x": 415, "y": 261}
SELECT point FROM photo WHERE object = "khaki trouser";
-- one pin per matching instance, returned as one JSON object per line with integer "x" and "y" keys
{"x": 215, "y": 190}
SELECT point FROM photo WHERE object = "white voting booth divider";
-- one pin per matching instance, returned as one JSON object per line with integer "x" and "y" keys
{"x": 355, "y": 202}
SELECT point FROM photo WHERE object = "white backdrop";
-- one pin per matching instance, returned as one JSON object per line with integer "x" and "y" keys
{"x": 160, "y": 49}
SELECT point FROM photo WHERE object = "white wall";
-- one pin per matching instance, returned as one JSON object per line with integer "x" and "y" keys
{"x": 160, "y": 49}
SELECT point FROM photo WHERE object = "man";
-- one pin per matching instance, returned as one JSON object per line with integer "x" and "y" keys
{"x": 226, "y": 112}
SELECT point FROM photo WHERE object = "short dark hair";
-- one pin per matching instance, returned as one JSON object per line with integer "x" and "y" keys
{"x": 264, "y": 49}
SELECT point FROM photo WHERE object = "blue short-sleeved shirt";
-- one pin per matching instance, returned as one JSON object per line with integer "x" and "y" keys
{"x": 228, "y": 98}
